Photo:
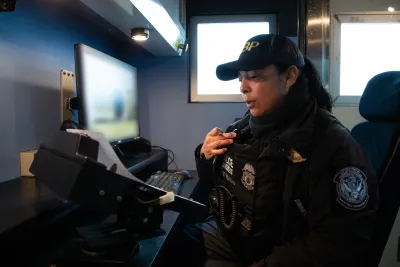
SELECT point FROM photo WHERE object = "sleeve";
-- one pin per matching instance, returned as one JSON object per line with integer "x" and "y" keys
{"x": 204, "y": 167}
{"x": 341, "y": 215}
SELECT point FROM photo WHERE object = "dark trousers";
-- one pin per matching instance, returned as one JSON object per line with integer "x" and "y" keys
{"x": 203, "y": 244}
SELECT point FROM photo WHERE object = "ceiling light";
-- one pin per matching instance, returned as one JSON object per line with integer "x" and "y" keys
{"x": 159, "y": 18}
{"x": 140, "y": 34}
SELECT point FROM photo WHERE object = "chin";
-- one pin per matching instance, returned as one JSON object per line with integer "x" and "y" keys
{"x": 255, "y": 113}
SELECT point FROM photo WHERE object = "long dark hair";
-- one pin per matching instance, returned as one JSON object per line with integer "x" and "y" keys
{"x": 310, "y": 78}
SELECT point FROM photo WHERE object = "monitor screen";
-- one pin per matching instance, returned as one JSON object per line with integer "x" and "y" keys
{"x": 107, "y": 93}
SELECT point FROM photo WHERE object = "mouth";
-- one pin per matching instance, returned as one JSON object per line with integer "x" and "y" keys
{"x": 250, "y": 104}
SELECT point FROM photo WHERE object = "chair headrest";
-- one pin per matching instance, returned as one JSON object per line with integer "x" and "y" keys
{"x": 380, "y": 101}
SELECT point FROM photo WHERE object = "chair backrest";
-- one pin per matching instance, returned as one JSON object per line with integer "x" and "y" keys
{"x": 389, "y": 186}
{"x": 380, "y": 137}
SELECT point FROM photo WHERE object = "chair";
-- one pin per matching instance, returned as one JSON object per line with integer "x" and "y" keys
{"x": 380, "y": 137}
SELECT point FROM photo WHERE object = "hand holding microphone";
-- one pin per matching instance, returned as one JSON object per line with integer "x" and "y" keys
{"x": 215, "y": 142}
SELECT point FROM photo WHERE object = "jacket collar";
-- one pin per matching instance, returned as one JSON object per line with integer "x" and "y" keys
{"x": 300, "y": 134}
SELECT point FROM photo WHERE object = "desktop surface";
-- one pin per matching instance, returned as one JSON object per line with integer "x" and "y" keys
{"x": 23, "y": 199}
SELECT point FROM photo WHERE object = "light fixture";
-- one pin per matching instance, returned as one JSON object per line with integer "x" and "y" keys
{"x": 140, "y": 34}
{"x": 184, "y": 47}
{"x": 159, "y": 18}
{"x": 391, "y": 9}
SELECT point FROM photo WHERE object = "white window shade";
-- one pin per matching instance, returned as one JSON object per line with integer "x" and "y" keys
{"x": 365, "y": 45}
{"x": 367, "y": 49}
{"x": 215, "y": 40}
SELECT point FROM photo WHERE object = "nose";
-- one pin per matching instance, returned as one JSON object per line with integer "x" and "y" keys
{"x": 244, "y": 86}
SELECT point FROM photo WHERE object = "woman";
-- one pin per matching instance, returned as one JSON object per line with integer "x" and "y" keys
{"x": 292, "y": 187}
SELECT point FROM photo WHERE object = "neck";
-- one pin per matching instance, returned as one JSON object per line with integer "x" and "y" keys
{"x": 290, "y": 108}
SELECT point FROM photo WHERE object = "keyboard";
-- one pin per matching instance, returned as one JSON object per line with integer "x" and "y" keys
{"x": 168, "y": 181}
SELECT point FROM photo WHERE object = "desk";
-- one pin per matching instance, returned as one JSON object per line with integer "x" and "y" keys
{"x": 22, "y": 200}
{"x": 150, "y": 248}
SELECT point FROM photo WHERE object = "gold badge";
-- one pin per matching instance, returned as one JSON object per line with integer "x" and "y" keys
{"x": 295, "y": 156}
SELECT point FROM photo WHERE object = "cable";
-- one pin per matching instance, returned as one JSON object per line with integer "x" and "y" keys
{"x": 172, "y": 158}
{"x": 162, "y": 200}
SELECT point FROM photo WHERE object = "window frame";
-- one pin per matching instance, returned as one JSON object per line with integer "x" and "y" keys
{"x": 194, "y": 97}
{"x": 336, "y": 20}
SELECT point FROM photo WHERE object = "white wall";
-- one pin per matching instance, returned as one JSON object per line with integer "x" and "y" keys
{"x": 349, "y": 116}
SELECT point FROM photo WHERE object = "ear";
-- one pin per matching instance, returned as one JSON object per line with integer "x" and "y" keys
{"x": 291, "y": 75}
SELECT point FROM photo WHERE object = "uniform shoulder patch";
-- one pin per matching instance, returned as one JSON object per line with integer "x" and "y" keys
{"x": 351, "y": 188}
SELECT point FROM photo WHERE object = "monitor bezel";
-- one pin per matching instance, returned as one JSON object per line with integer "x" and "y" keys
{"x": 80, "y": 91}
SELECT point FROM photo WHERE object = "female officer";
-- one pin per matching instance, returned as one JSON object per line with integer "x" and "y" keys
{"x": 291, "y": 186}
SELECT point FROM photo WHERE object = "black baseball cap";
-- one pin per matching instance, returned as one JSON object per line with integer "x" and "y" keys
{"x": 261, "y": 51}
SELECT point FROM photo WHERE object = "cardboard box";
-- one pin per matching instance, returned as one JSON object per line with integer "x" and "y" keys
{"x": 26, "y": 158}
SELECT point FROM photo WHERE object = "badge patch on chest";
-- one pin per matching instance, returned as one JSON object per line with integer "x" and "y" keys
{"x": 248, "y": 176}
{"x": 351, "y": 188}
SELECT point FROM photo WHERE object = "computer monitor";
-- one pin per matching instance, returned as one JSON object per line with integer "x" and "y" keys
{"x": 107, "y": 92}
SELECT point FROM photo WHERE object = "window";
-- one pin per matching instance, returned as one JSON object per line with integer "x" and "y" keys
{"x": 216, "y": 40}
{"x": 362, "y": 47}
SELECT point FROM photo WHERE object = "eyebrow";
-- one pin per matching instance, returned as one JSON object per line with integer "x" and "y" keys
{"x": 262, "y": 72}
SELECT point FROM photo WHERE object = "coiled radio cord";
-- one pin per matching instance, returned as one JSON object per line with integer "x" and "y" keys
{"x": 222, "y": 193}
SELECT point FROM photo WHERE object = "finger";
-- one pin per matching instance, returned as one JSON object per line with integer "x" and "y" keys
{"x": 229, "y": 135}
{"x": 216, "y": 131}
{"x": 219, "y": 151}
{"x": 221, "y": 142}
